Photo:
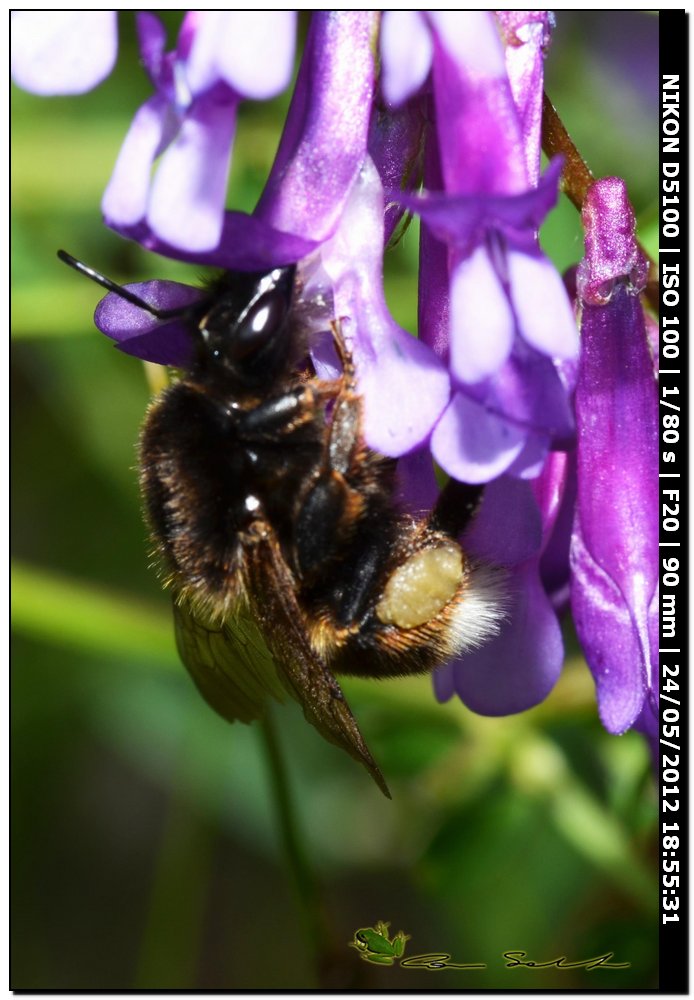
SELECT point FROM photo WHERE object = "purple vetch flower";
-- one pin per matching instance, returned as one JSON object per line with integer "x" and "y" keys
{"x": 336, "y": 213}
{"x": 518, "y": 668}
{"x": 524, "y": 526}
{"x": 526, "y": 33}
{"x": 481, "y": 270}
{"x": 614, "y": 550}
{"x": 404, "y": 385}
{"x": 320, "y": 158}
{"x": 325, "y": 136}
{"x": 62, "y": 51}
{"x": 320, "y": 155}
{"x": 220, "y": 58}
{"x": 509, "y": 406}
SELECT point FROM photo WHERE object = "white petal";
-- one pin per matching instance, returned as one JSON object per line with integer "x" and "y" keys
{"x": 63, "y": 51}
{"x": 482, "y": 322}
{"x": 545, "y": 317}
{"x": 406, "y": 51}
{"x": 252, "y": 50}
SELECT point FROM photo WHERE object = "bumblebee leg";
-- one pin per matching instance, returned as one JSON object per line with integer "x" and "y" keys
{"x": 332, "y": 506}
{"x": 347, "y": 501}
{"x": 345, "y": 448}
{"x": 285, "y": 414}
{"x": 455, "y": 508}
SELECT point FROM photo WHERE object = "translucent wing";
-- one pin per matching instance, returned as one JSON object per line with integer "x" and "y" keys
{"x": 231, "y": 665}
{"x": 265, "y": 652}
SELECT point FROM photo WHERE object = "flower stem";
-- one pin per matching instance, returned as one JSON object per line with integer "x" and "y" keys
{"x": 312, "y": 912}
{"x": 576, "y": 175}
{"x": 577, "y": 178}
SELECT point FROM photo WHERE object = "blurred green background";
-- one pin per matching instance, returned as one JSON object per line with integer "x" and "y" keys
{"x": 146, "y": 845}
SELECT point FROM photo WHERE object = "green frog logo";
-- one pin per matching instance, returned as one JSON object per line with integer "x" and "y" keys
{"x": 375, "y": 945}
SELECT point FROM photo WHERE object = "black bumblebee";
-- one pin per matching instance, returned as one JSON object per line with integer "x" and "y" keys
{"x": 277, "y": 528}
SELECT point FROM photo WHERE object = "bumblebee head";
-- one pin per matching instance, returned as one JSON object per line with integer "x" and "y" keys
{"x": 245, "y": 330}
{"x": 242, "y": 323}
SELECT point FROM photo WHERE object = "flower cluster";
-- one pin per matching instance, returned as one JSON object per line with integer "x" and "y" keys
{"x": 437, "y": 114}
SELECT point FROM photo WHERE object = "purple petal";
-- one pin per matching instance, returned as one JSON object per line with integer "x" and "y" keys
{"x": 139, "y": 333}
{"x": 325, "y": 137}
{"x": 389, "y": 361}
{"x": 472, "y": 444}
{"x": 477, "y": 124}
{"x": 545, "y": 316}
{"x": 612, "y": 251}
{"x": 63, "y": 51}
{"x": 417, "y": 486}
{"x": 528, "y": 392}
{"x": 470, "y": 39}
{"x": 463, "y": 220}
{"x": 527, "y": 35}
{"x": 482, "y": 323}
{"x": 615, "y": 545}
{"x": 251, "y": 50}
{"x": 190, "y": 25}
{"x": 530, "y": 462}
{"x": 549, "y": 487}
{"x": 406, "y": 53}
{"x": 653, "y": 334}
{"x": 616, "y": 648}
{"x": 168, "y": 344}
{"x": 186, "y": 207}
{"x": 396, "y": 138}
{"x": 614, "y": 550}
{"x": 617, "y": 420}
{"x": 444, "y": 682}
{"x": 555, "y": 490}
{"x": 518, "y": 668}
{"x": 151, "y": 36}
{"x": 396, "y": 419}
{"x": 125, "y": 199}
{"x": 246, "y": 244}
{"x": 506, "y": 422}
{"x": 433, "y": 307}
{"x": 507, "y": 530}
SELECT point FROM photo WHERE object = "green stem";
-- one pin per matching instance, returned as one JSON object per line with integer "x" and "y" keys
{"x": 312, "y": 913}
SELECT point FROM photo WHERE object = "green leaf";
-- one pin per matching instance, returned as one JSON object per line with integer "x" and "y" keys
{"x": 69, "y": 612}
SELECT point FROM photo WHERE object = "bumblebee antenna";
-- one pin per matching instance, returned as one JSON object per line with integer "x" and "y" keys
{"x": 119, "y": 290}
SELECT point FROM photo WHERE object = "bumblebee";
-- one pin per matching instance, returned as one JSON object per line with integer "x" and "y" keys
{"x": 277, "y": 529}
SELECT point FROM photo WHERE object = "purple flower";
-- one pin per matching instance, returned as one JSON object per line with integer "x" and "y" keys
{"x": 306, "y": 206}
{"x": 404, "y": 385}
{"x": 487, "y": 388}
{"x": 519, "y": 667}
{"x": 323, "y": 202}
{"x": 482, "y": 274}
{"x": 526, "y": 34}
{"x": 321, "y": 152}
{"x": 220, "y": 58}
{"x": 614, "y": 549}
{"x": 319, "y": 160}
{"x": 63, "y": 51}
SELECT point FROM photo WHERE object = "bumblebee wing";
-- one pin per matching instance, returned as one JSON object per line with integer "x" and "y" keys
{"x": 305, "y": 675}
{"x": 230, "y": 664}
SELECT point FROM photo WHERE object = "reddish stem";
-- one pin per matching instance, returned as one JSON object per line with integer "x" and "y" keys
{"x": 577, "y": 178}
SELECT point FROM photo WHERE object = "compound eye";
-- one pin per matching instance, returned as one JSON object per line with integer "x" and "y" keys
{"x": 264, "y": 321}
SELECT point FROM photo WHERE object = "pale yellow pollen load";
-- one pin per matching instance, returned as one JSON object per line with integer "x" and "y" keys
{"x": 421, "y": 587}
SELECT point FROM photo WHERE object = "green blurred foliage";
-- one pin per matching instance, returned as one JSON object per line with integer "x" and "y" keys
{"x": 146, "y": 847}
